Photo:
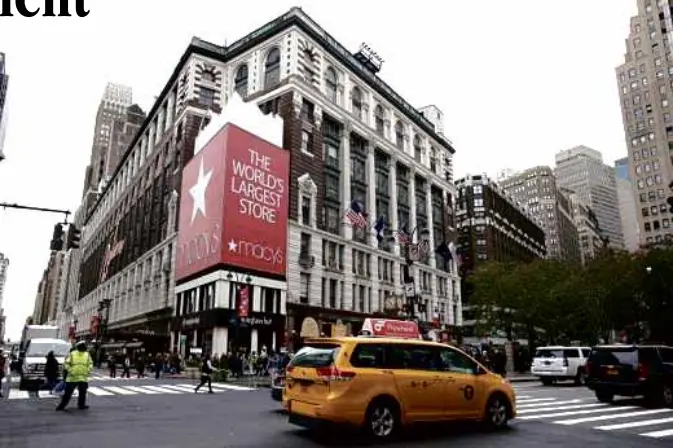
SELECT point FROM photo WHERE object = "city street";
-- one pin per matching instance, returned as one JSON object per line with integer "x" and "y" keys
{"x": 167, "y": 413}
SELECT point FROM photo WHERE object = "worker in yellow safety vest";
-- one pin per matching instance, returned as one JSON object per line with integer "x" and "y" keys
{"x": 79, "y": 366}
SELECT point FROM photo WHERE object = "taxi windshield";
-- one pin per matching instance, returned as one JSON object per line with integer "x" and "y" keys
{"x": 315, "y": 355}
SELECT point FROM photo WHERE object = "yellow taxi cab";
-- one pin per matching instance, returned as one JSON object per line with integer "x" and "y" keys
{"x": 390, "y": 379}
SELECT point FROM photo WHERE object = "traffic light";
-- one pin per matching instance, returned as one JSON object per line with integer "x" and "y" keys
{"x": 74, "y": 237}
{"x": 57, "y": 238}
{"x": 670, "y": 203}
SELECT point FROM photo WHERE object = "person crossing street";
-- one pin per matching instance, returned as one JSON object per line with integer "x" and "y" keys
{"x": 207, "y": 370}
{"x": 79, "y": 366}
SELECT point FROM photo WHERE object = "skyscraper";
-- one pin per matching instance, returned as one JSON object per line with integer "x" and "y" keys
{"x": 4, "y": 81}
{"x": 645, "y": 85}
{"x": 581, "y": 169}
{"x": 627, "y": 205}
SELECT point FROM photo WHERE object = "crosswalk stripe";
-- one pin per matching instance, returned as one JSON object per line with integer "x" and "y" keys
{"x": 142, "y": 390}
{"x": 611, "y": 416}
{"x": 120, "y": 390}
{"x": 658, "y": 434}
{"x": 561, "y": 408}
{"x": 46, "y": 394}
{"x": 162, "y": 389}
{"x": 571, "y": 413}
{"x": 546, "y": 403}
{"x": 658, "y": 421}
{"x": 535, "y": 400}
{"x": 521, "y": 397}
{"x": 180, "y": 388}
{"x": 232, "y": 387}
{"x": 15, "y": 394}
{"x": 98, "y": 391}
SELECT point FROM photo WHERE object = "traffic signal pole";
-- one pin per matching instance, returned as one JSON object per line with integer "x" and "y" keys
{"x": 37, "y": 209}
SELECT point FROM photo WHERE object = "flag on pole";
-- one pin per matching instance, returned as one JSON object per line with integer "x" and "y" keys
{"x": 356, "y": 215}
{"x": 403, "y": 237}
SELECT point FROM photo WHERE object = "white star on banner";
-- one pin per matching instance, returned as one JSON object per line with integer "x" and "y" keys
{"x": 198, "y": 192}
{"x": 232, "y": 246}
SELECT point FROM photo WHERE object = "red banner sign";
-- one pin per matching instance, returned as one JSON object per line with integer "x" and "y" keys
{"x": 392, "y": 328}
{"x": 234, "y": 206}
{"x": 243, "y": 301}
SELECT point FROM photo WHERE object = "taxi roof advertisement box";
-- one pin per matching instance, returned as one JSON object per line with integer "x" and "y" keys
{"x": 234, "y": 205}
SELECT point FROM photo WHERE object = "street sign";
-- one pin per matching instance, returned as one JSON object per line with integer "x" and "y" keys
{"x": 409, "y": 289}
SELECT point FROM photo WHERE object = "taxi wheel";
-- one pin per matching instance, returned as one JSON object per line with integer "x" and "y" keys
{"x": 383, "y": 419}
{"x": 497, "y": 412}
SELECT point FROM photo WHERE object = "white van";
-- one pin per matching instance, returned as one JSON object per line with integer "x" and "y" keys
{"x": 35, "y": 360}
{"x": 559, "y": 363}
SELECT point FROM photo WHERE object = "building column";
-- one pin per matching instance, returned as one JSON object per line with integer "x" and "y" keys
{"x": 220, "y": 340}
{"x": 283, "y": 302}
{"x": 450, "y": 317}
{"x": 371, "y": 193}
{"x": 256, "y": 298}
{"x": 412, "y": 219}
{"x": 394, "y": 218}
{"x": 432, "y": 261}
{"x": 254, "y": 341}
{"x": 346, "y": 299}
{"x": 222, "y": 289}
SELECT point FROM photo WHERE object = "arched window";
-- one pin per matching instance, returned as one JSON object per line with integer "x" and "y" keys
{"x": 241, "y": 81}
{"x": 418, "y": 151}
{"x": 378, "y": 119}
{"x": 272, "y": 68}
{"x": 356, "y": 102}
{"x": 208, "y": 76}
{"x": 331, "y": 84}
{"x": 399, "y": 135}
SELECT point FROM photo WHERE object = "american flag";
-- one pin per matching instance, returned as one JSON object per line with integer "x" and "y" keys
{"x": 356, "y": 215}
{"x": 403, "y": 237}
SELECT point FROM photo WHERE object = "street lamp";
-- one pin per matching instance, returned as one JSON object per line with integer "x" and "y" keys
{"x": 420, "y": 249}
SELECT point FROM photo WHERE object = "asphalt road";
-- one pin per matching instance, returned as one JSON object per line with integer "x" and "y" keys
{"x": 549, "y": 416}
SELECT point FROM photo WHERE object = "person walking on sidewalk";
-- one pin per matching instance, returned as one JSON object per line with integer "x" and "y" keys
{"x": 79, "y": 366}
{"x": 206, "y": 375}
{"x": 127, "y": 367}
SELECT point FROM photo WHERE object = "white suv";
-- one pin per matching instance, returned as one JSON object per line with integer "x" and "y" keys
{"x": 556, "y": 363}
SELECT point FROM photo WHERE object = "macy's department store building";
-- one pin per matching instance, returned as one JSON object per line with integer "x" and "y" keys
{"x": 231, "y": 289}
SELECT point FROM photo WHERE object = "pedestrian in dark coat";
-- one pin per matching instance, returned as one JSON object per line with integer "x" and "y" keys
{"x": 51, "y": 371}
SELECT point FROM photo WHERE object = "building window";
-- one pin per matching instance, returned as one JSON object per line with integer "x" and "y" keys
{"x": 356, "y": 102}
{"x": 418, "y": 151}
{"x": 306, "y": 210}
{"x": 331, "y": 82}
{"x": 272, "y": 68}
{"x": 307, "y": 142}
{"x": 433, "y": 160}
{"x": 379, "y": 120}
{"x": 399, "y": 135}
{"x": 241, "y": 81}
{"x": 207, "y": 96}
{"x": 304, "y": 282}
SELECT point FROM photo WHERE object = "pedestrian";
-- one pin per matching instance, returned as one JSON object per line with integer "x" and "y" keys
{"x": 206, "y": 375}
{"x": 51, "y": 371}
{"x": 140, "y": 366}
{"x": 80, "y": 366}
{"x": 112, "y": 366}
{"x": 158, "y": 365}
{"x": 126, "y": 366}
{"x": 3, "y": 367}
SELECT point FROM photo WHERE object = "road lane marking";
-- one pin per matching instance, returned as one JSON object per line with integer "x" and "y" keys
{"x": 659, "y": 421}
{"x": 522, "y": 397}
{"x": 162, "y": 389}
{"x": 547, "y": 403}
{"x": 534, "y": 400}
{"x": 658, "y": 434}
{"x": 183, "y": 388}
{"x": 119, "y": 390}
{"x": 611, "y": 416}
{"x": 15, "y": 394}
{"x": 142, "y": 390}
{"x": 98, "y": 391}
{"x": 566, "y": 414}
{"x": 561, "y": 408}
{"x": 233, "y": 387}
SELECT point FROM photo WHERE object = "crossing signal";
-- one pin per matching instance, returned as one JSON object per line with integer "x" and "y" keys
{"x": 57, "y": 238}
{"x": 74, "y": 237}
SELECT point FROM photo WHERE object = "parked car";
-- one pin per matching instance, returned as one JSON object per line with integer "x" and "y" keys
{"x": 558, "y": 363}
{"x": 632, "y": 370}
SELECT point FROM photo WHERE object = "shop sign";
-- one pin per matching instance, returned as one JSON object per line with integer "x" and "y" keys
{"x": 243, "y": 301}
{"x": 257, "y": 321}
{"x": 391, "y": 328}
{"x": 191, "y": 322}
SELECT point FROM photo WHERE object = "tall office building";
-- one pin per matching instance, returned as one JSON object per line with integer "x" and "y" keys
{"x": 627, "y": 205}
{"x": 50, "y": 289}
{"x": 588, "y": 228}
{"x": 4, "y": 81}
{"x": 536, "y": 189}
{"x": 646, "y": 91}
{"x": 4, "y": 265}
{"x": 581, "y": 169}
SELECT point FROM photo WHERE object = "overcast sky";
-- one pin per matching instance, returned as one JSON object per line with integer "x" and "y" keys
{"x": 517, "y": 81}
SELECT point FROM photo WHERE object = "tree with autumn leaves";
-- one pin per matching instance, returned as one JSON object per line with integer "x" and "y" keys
{"x": 550, "y": 302}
